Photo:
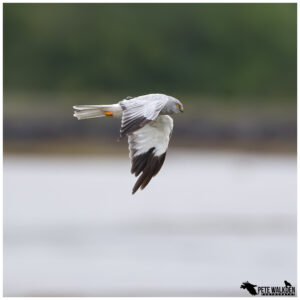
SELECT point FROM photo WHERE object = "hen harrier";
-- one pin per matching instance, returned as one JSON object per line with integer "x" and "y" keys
{"x": 146, "y": 122}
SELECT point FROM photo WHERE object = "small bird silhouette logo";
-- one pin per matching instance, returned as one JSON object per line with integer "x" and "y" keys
{"x": 249, "y": 287}
{"x": 287, "y": 283}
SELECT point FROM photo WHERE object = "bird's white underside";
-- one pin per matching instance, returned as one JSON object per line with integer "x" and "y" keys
{"x": 155, "y": 134}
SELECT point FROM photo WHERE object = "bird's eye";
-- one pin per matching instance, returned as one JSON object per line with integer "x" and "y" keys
{"x": 178, "y": 105}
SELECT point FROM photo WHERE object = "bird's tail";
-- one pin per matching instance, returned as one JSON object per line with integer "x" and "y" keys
{"x": 95, "y": 111}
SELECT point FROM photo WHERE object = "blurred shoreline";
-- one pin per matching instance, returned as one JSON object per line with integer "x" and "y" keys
{"x": 49, "y": 128}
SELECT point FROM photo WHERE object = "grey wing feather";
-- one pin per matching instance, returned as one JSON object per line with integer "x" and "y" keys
{"x": 138, "y": 112}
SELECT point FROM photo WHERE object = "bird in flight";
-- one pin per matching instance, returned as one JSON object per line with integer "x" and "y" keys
{"x": 146, "y": 122}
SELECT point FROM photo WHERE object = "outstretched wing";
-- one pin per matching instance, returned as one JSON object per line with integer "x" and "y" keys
{"x": 139, "y": 111}
{"x": 147, "y": 149}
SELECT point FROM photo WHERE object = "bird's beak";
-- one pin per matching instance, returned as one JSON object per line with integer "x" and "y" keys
{"x": 181, "y": 109}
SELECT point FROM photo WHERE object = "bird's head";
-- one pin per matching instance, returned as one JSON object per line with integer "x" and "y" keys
{"x": 175, "y": 105}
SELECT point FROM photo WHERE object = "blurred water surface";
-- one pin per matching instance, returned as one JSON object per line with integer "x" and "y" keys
{"x": 205, "y": 224}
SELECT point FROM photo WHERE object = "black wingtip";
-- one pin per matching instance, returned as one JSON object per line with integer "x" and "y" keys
{"x": 150, "y": 169}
